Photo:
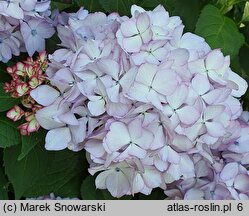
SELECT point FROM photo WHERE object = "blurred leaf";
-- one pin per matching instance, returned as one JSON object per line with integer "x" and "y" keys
{"x": 89, "y": 191}
{"x": 42, "y": 172}
{"x": 3, "y": 186}
{"x": 9, "y": 134}
{"x": 51, "y": 43}
{"x": 5, "y": 77}
{"x": 156, "y": 194}
{"x": 6, "y": 101}
{"x": 71, "y": 188}
{"x": 90, "y": 5}
{"x": 123, "y": 7}
{"x": 189, "y": 11}
{"x": 148, "y": 4}
{"x": 245, "y": 17}
{"x": 29, "y": 142}
{"x": 227, "y": 5}
{"x": 60, "y": 5}
{"x": 219, "y": 31}
{"x": 22, "y": 174}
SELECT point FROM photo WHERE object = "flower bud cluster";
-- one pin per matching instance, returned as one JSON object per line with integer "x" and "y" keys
{"x": 26, "y": 76}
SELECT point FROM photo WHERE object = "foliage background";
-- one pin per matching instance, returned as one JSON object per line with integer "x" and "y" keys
{"x": 28, "y": 170}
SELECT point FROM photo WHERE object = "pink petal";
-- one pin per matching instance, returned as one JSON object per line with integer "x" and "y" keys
{"x": 68, "y": 118}
{"x": 135, "y": 129}
{"x": 152, "y": 178}
{"x": 173, "y": 156}
{"x": 200, "y": 84}
{"x": 194, "y": 194}
{"x": 188, "y": 115}
{"x": 58, "y": 139}
{"x": 213, "y": 111}
{"x": 165, "y": 82}
{"x": 117, "y": 137}
{"x": 215, "y": 129}
{"x": 136, "y": 151}
{"x": 178, "y": 97}
{"x": 96, "y": 107}
{"x": 241, "y": 182}
{"x": 13, "y": 9}
{"x": 132, "y": 44}
{"x": 143, "y": 22}
{"x": 215, "y": 59}
{"x": 182, "y": 143}
{"x": 242, "y": 84}
{"x": 129, "y": 28}
{"x": 229, "y": 171}
{"x": 117, "y": 184}
{"x": 44, "y": 95}
{"x": 146, "y": 73}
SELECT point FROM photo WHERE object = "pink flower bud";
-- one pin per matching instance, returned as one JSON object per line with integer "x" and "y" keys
{"x": 15, "y": 113}
{"x": 22, "y": 89}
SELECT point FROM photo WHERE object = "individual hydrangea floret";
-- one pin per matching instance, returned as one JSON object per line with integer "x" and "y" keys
{"x": 24, "y": 24}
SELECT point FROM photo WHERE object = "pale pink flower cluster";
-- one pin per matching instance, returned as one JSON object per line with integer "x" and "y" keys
{"x": 24, "y": 26}
{"x": 151, "y": 105}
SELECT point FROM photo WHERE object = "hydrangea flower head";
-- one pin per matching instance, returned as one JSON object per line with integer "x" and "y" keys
{"x": 151, "y": 105}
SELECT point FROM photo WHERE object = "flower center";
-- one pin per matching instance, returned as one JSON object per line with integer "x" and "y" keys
{"x": 33, "y": 32}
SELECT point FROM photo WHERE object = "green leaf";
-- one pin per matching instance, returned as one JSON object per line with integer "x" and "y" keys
{"x": 3, "y": 186}
{"x": 90, "y": 5}
{"x": 6, "y": 101}
{"x": 227, "y": 5}
{"x": 189, "y": 11}
{"x": 156, "y": 194}
{"x": 5, "y": 77}
{"x": 219, "y": 31}
{"x": 123, "y": 7}
{"x": 71, "y": 188}
{"x": 59, "y": 5}
{"x": 29, "y": 142}
{"x": 150, "y": 5}
{"x": 42, "y": 172}
{"x": 22, "y": 173}
{"x": 51, "y": 44}
{"x": 89, "y": 191}
{"x": 9, "y": 134}
{"x": 245, "y": 17}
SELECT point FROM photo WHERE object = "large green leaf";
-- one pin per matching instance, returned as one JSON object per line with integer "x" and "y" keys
{"x": 150, "y": 5}
{"x": 89, "y": 191}
{"x": 90, "y": 5}
{"x": 6, "y": 102}
{"x": 189, "y": 11}
{"x": 9, "y": 134}
{"x": 42, "y": 172}
{"x": 22, "y": 174}
{"x": 227, "y": 5}
{"x": 245, "y": 17}
{"x": 59, "y": 5}
{"x": 3, "y": 186}
{"x": 29, "y": 142}
{"x": 123, "y": 7}
{"x": 156, "y": 194}
{"x": 219, "y": 31}
{"x": 71, "y": 188}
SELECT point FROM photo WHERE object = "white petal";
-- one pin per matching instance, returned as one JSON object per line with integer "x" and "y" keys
{"x": 117, "y": 136}
{"x": 44, "y": 95}
{"x": 58, "y": 139}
